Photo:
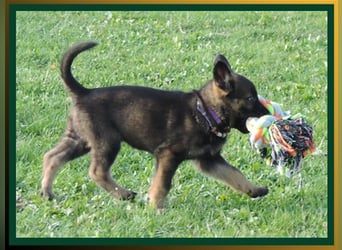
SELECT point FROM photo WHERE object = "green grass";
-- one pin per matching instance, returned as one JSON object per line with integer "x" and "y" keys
{"x": 283, "y": 53}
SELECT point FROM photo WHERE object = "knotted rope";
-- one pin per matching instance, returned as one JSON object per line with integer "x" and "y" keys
{"x": 288, "y": 137}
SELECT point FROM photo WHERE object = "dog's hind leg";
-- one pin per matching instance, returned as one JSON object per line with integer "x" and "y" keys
{"x": 70, "y": 147}
{"x": 218, "y": 168}
{"x": 103, "y": 154}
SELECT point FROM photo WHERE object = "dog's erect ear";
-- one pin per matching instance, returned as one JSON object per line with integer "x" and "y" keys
{"x": 222, "y": 73}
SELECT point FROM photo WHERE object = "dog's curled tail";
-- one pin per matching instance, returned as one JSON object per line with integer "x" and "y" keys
{"x": 71, "y": 83}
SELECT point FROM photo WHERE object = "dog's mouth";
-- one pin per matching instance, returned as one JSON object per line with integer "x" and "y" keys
{"x": 240, "y": 123}
{"x": 241, "y": 126}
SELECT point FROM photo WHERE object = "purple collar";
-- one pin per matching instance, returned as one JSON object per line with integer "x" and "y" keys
{"x": 214, "y": 122}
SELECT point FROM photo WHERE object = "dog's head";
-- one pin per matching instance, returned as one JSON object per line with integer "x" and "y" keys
{"x": 236, "y": 96}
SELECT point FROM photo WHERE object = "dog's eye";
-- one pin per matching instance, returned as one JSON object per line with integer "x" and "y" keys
{"x": 251, "y": 99}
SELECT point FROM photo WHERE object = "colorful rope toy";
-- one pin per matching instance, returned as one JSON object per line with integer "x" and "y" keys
{"x": 290, "y": 138}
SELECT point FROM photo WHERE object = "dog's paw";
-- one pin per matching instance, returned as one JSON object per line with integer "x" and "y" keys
{"x": 259, "y": 192}
{"x": 47, "y": 195}
{"x": 131, "y": 195}
{"x": 127, "y": 195}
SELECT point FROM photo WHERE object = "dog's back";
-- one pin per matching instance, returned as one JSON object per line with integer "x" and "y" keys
{"x": 145, "y": 118}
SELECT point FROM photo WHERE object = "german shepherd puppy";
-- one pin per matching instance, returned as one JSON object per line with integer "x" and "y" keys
{"x": 173, "y": 126}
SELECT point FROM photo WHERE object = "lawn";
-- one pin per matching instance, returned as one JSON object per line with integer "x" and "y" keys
{"x": 283, "y": 53}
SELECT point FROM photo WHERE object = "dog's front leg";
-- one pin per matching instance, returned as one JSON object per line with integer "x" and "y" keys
{"x": 165, "y": 169}
{"x": 218, "y": 168}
